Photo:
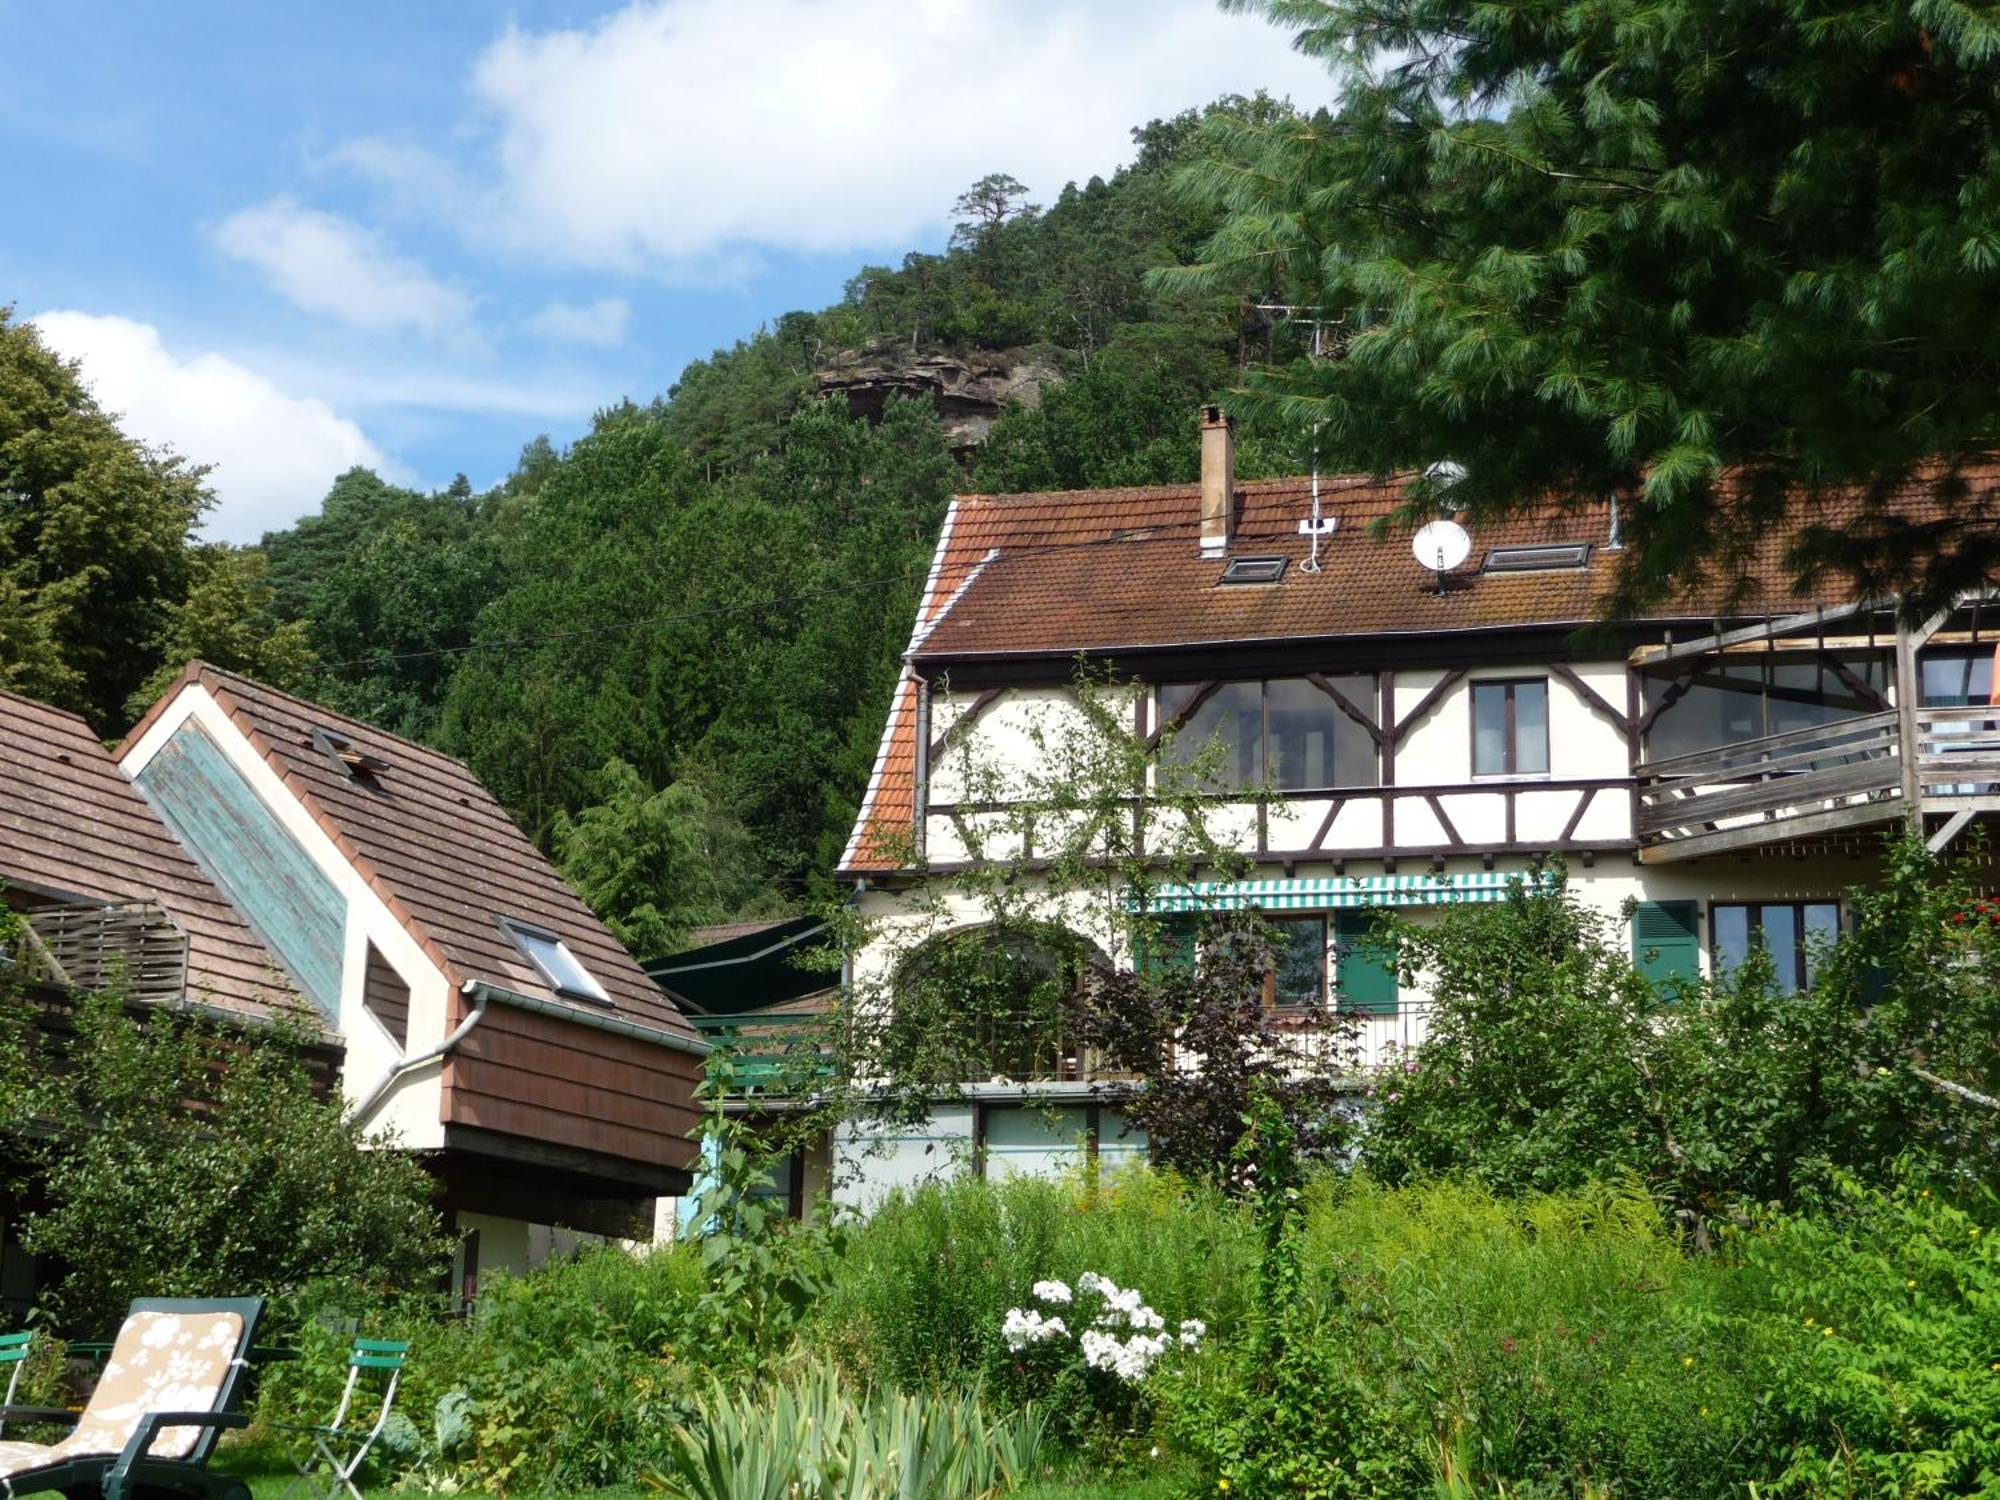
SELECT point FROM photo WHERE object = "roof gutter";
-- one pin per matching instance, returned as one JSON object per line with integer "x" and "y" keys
{"x": 482, "y": 992}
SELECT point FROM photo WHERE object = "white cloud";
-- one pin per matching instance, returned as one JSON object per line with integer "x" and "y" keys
{"x": 334, "y": 267}
{"x": 601, "y": 323}
{"x": 672, "y": 134}
{"x": 273, "y": 453}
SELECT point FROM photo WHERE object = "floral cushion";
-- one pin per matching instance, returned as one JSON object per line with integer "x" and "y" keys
{"x": 162, "y": 1361}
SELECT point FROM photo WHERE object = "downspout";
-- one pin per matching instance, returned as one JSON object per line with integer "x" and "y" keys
{"x": 430, "y": 1054}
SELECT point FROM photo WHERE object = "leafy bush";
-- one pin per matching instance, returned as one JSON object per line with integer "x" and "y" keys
{"x": 259, "y": 1185}
{"x": 1536, "y": 1343}
{"x": 1437, "y": 1333}
{"x": 1551, "y": 1062}
{"x": 923, "y": 1290}
{"x": 565, "y": 1377}
{"x": 816, "y": 1436}
{"x": 1284, "y": 1413}
{"x": 1880, "y": 1328}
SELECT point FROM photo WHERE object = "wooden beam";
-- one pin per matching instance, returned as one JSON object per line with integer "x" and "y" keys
{"x": 1908, "y": 691}
{"x": 1591, "y": 697}
{"x": 1668, "y": 699}
{"x": 1769, "y": 631}
{"x": 1583, "y": 800}
{"x": 1860, "y": 687}
{"x": 1341, "y": 701}
{"x": 1953, "y": 826}
{"x": 962, "y": 723}
{"x": 1167, "y": 726}
{"x": 1429, "y": 701}
{"x": 1444, "y": 820}
{"x": 1326, "y": 823}
{"x": 1755, "y": 835}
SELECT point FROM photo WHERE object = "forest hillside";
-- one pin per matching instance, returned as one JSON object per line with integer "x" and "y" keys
{"x": 668, "y": 647}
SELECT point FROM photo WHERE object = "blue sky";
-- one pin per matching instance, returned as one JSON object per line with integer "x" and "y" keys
{"x": 283, "y": 239}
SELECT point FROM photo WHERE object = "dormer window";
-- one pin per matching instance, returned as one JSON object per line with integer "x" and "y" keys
{"x": 563, "y": 970}
{"x": 1543, "y": 559}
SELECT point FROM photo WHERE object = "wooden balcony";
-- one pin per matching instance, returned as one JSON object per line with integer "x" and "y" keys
{"x": 136, "y": 949}
{"x": 1829, "y": 780}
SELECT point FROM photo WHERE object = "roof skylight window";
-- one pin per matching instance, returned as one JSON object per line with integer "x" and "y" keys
{"x": 563, "y": 970}
{"x": 1538, "y": 559}
{"x": 1253, "y": 570}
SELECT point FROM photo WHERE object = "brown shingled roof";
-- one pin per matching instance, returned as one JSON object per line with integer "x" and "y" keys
{"x": 1056, "y": 574}
{"x": 1099, "y": 570}
{"x": 435, "y": 845}
{"x": 72, "y": 827}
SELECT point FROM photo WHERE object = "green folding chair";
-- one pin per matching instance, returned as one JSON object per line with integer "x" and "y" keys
{"x": 337, "y": 1446}
{"x": 14, "y": 1349}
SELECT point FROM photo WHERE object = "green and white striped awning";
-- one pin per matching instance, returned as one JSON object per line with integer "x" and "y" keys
{"x": 1342, "y": 892}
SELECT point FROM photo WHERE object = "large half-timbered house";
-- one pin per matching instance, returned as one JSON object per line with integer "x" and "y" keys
{"x": 1378, "y": 732}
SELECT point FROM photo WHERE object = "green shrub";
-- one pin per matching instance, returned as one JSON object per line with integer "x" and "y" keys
{"x": 258, "y": 1187}
{"x": 1881, "y": 1332}
{"x": 924, "y": 1286}
{"x": 1540, "y": 1343}
{"x": 565, "y": 1378}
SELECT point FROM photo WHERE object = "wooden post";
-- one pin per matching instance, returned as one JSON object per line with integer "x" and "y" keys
{"x": 1906, "y": 720}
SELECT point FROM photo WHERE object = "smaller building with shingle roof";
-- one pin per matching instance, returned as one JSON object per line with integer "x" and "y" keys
{"x": 490, "y": 1018}
{"x": 247, "y": 850}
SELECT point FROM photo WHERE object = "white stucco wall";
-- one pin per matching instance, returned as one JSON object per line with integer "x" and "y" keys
{"x": 1026, "y": 730}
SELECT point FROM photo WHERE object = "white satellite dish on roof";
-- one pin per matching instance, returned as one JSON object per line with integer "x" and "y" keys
{"x": 1441, "y": 546}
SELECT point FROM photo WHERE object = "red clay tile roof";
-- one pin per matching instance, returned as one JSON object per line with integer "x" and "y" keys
{"x": 1098, "y": 570}
{"x": 74, "y": 828}
{"x": 1057, "y": 574}
{"x": 436, "y": 846}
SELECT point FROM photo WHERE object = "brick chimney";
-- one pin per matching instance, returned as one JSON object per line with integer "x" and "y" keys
{"x": 1218, "y": 481}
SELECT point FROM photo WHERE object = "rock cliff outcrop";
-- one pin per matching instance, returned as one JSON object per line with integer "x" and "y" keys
{"x": 969, "y": 390}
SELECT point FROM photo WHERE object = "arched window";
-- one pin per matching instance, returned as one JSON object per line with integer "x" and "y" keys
{"x": 993, "y": 1002}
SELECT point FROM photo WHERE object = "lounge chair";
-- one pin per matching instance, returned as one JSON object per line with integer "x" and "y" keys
{"x": 167, "y": 1390}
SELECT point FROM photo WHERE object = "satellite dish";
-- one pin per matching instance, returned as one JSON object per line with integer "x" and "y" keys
{"x": 1445, "y": 473}
{"x": 1441, "y": 546}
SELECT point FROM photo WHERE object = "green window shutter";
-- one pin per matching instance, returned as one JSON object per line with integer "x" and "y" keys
{"x": 1666, "y": 940}
{"x": 1365, "y": 968}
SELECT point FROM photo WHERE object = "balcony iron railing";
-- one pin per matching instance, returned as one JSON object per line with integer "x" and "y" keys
{"x": 775, "y": 1053}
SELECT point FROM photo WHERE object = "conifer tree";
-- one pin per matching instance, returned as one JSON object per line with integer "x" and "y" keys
{"x": 1714, "y": 254}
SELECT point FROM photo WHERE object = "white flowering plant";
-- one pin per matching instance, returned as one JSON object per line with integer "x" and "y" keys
{"x": 1096, "y": 1334}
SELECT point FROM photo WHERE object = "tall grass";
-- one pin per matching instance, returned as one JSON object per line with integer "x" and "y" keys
{"x": 1553, "y": 1339}
{"x": 919, "y": 1296}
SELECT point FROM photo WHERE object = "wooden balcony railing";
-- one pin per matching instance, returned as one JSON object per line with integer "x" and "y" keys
{"x": 137, "y": 950}
{"x": 1829, "y": 778}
